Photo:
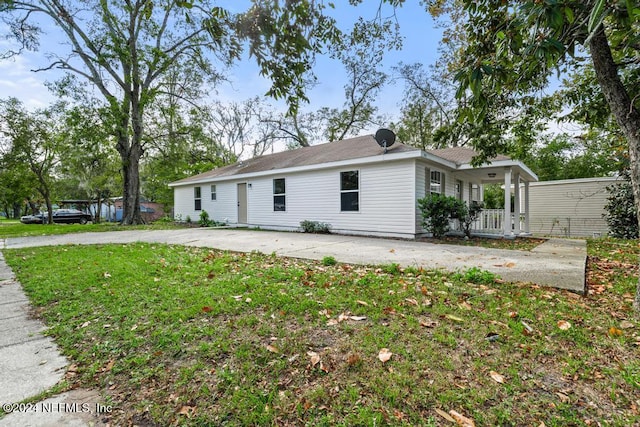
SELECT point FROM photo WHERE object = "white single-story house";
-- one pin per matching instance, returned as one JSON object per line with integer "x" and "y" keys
{"x": 570, "y": 207}
{"x": 354, "y": 185}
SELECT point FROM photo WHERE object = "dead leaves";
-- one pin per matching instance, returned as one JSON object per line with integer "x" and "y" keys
{"x": 316, "y": 361}
{"x": 499, "y": 378}
{"x": 456, "y": 417}
{"x": 384, "y": 355}
{"x": 564, "y": 325}
{"x": 187, "y": 411}
{"x": 341, "y": 318}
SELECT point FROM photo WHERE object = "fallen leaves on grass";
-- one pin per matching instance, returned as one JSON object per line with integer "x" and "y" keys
{"x": 384, "y": 355}
{"x": 272, "y": 348}
{"x": 615, "y": 332}
{"x": 497, "y": 377}
{"x": 187, "y": 411}
{"x": 564, "y": 325}
{"x": 461, "y": 420}
{"x": 454, "y": 318}
{"x": 342, "y": 317}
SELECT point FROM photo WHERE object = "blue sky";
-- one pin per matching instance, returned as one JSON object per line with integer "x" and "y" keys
{"x": 420, "y": 45}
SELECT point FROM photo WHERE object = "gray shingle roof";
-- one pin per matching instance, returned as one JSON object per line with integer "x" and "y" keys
{"x": 348, "y": 149}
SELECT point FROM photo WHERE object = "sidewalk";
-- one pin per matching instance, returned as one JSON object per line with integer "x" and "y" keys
{"x": 30, "y": 362}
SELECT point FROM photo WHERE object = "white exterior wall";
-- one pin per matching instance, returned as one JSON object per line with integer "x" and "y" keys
{"x": 386, "y": 200}
{"x": 388, "y": 194}
{"x": 571, "y": 208}
{"x": 223, "y": 209}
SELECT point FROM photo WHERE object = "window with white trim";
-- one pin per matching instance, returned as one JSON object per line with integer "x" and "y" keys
{"x": 436, "y": 183}
{"x": 458, "y": 189}
{"x": 279, "y": 195}
{"x": 197, "y": 199}
{"x": 214, "y": 194}
{"x": 349, "y": 191}
{"x": 474, "y": 192}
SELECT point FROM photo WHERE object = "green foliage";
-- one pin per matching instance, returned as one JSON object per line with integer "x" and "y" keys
{"x": 328, "y": 261}
{"x": 437, "y": 210}
{"x": 315, "y": 227}
{"x": 468, "y": 215}
{"x": 393, "y": 268}
{"x": 204, "y": 219}
{"x": 621, "y": 213}
{"x": 493, "y": 196}
{"x": 477, "y": 276}
{"x": 188, "y": 219}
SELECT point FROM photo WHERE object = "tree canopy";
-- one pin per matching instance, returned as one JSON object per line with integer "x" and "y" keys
{"x": 126, "y": 49}
{"x": 512, "y": 50}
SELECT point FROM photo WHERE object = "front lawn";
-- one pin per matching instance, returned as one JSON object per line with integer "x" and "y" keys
{"x": 190, "y": 336}
{"x": 16, "y": 229}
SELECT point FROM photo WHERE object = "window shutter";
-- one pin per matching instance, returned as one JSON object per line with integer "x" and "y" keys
{"x": 443, "y": 185}
{"x": 427, "y": 181}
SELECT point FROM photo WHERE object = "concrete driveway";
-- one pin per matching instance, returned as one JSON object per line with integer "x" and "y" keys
{"x": 558, "y": 263}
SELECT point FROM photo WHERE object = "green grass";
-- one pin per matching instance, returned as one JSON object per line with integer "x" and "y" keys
{"x": 13, "y": 228}
{"x": 191, "y": 336}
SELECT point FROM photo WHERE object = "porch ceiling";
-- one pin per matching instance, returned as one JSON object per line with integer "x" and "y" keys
{"x": 494, "y": 174}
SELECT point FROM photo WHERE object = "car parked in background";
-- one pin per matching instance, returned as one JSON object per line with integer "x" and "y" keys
{"x": 32, "y": 219}
{"x": 60, "y": 216}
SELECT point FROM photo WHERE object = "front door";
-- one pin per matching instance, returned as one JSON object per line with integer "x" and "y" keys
{"x": 242, "y": 203}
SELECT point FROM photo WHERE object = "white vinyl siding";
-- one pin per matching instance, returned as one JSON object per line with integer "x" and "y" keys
{"x": 386, "y": 200}
{"x": 569, "y": 208}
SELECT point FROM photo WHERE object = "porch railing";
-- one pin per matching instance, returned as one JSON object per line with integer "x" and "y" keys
{"x": 491, "y": 221}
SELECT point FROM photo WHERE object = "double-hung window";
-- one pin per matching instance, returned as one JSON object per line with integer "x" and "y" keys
{"x": 436, "y": 182}
{"x": 197, "y": 199}
{"x": 279, "y": 195}
{"x": 214, "y": 194}
{"x": 458, "y": 189}
{"x": 349, "y": 191}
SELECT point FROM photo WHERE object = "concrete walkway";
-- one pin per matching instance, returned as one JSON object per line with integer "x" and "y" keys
{"x": 30, "y": 363}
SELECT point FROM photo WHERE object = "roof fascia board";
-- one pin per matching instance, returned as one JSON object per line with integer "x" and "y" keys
{"x": 319, "y": 166}
{"x": 502, "y": 163}
{"x": 607, "y": 179}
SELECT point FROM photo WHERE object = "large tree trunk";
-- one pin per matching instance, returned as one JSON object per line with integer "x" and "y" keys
{"x": 131, "y": 175}
{"x": 624, "y": 111}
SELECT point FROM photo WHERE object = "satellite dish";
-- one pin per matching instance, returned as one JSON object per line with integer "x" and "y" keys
{"x": 385, "y": 138}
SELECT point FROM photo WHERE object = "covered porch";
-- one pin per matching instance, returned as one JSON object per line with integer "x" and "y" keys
{"x": 513, "y": 219}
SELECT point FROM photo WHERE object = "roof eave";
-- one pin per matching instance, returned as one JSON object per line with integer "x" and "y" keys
{"x": 319, "y": 166}
{"x": 529, "y": 174}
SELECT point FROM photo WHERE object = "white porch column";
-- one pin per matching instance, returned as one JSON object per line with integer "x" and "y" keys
{"x": 507, "y": 202}
{"x": 527, "y": 225}
{"x": 516, "y": 204}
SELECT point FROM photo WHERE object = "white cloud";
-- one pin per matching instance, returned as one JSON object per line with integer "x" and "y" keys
{"x": 18, "y": 81}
